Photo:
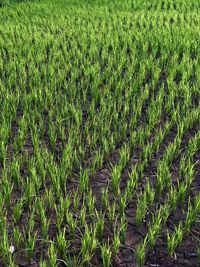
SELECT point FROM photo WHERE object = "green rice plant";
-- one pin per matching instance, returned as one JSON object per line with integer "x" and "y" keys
{"x": 112, "y": 212}
{"x": 62, "y": 243}
{"x": 190, "y": 174}
{"x": 171, "y": 151}
{"x": 52, "y": 255}
{"x": 42, "y": 172}
{"x": 193, "y": 146}
{"x": 192, "y": 213}
{"x": 153, "y": 231}
{"x": 141, "y": 253}
{"x": 35, "y": 141}
{"x": 29, "y": 192}
{"x": 116, "y": 243}
{"x": 55, "y": 180}
{"x": 72, "y": 261}
{"x": 7, "y": 189}
{"x": 187, "y": 170}
{"x": 197, "y": 204}
{"x": 30, "y": 245}
{"x": 43, "y": 263}
{"x": 4, "y": 245}
{"x": 141, "y": 209}
{"x": 106, "y": 255}
{"x": 66, "y": 163}
{"x": 124, "y": 156}
{"x": 88, "y": 244}
{"x": 132, "y": 138}
{"x": 3, "y": 222}
{"x": 15, "y": 171}
{"x": 19, "y": 141}
{"x": 164, "y": 179}
{"x": 122, "y": 204}
{"x": 105, "y": 148}
{"x": 130, "y": 186}
{"x": 181, "y": 194}
{"x": 91, "y": 202}
{"x": 133, "y": 175}
{"x": 163, "y": 131}
{"x": 164, "y": 212}
{"x": 84, "y": 181}
{"x": 104, "y": 198}
{"x": 36, "y": 180}
{"x": 17, "y": 237}
{"x": 65, "y": 203}
{"x": 52, "y": 136}
{"x": 17, "y": 210}
{"x": 76, "y": 200}
{"x": 11, "y": 260}
{"x": 149, "y": 193}
{"x": 67, "y": 155}
{"x": 45, "y": 227}
{"x": 190, "y": 217}
{"x": 83, "y": 215}
{"x": 60, "y": 215}
{"x": 173, "y": 198}
{"x": 31, "y": 221}
{"x": 3, "y": 152}
{"x": 115, "y": 179}
{"x": 49, "y": 198}
{"x": 97, "y": 161}
{"x": 174, "y": 240}
{"x": 99, "y": 225}
{"x": 141, "y": 136}
{"x": 146, "y": 153}
{"x": 71, "y": 222}
{"x": 123, "y": 229}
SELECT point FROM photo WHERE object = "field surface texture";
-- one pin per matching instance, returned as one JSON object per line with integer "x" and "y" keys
{"x": 100, "y": 133}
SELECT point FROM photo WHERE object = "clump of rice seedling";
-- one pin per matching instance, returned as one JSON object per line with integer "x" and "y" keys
{"x": 175, "y": 239}
{"x": 106, "y": 255}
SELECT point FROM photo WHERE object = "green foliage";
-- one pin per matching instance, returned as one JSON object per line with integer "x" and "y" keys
{"x": 99, "y": 125}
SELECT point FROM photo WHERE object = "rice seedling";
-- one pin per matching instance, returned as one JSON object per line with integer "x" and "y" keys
{"x": 99, "y": 225}
{"x": 104, "y": 198}
{"x": 30, "y": 245}
{"x": 63, "y": 243}
{"x": 116, "y": 243}
{"x": 4, "y": 245}
{"x": 141, "y": 210}
{"x": 17, "y": 237}
{"x": 89, "y": 244}
{"x": 123, "y": 229}
{"x": 71, "y": 221}
{"x": 140, "y": 254}
{"x": 52, "y": 255}
{"x": 175, "y": 239}
{"x": 106, "y": 255}
{"x": 17, "y": 211}
{"x": 99, "y": 129}
{"x": 116, "y": 174}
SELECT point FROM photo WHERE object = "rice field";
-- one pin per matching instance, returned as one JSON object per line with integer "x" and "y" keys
{"x": 100, "y": 133}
